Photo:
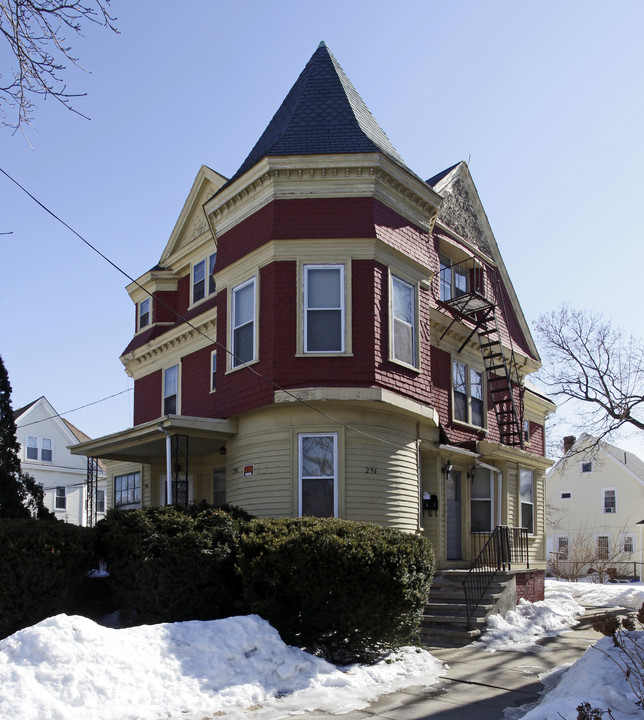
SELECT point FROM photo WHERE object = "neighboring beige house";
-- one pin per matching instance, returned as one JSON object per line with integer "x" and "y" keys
{"x": 44, "y": 439}
{"x": 595, "y": 508}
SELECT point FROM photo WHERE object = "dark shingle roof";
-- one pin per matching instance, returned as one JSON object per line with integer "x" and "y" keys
{"x": 435, "y": 179}
{"x": 322, "y": 114}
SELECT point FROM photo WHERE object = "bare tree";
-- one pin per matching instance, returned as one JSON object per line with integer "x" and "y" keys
{"x": 35, "y": 33}
{"x": 595, "y": 365}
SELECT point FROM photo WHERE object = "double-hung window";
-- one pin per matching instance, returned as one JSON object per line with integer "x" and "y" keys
{"x": 453, "y": 279}
{"x": 609, "y": 500}
{"x": 203, "y": 282}
{"x": 243, "y": 323}
{"x": 100, "y": 501}
{"x": 213, "y": 371}
{"x": 403, "y": 321}
{"x": 526, "y": 491}
{"x": 469, "y": 404}
{"x": 318, "y": 474}
{"x": 482, "y": 500}
{"x": 144, "y": 313}
{"x": 603, "y": 547}
{"x": 562, "y": 547}
{"x": 39, "y": 448}
{"x": 324, "y": 311}
{"x": 127, "y": 491}
{"x": 60, "y": 502}
{"x": 171, "y": 390}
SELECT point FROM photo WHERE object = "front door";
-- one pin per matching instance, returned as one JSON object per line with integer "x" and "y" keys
{"x": 453, "y": 503}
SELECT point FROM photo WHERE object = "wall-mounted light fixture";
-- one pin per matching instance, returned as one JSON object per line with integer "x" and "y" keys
{"x": 222, "y": 450}
{"x": 472, "y": 472}
{"x": 447, "y": 468}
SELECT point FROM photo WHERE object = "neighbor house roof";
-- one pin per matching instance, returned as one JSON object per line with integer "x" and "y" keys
{"x": 322, "y": 114}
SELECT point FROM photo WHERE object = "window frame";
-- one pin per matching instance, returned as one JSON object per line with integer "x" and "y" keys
{"x": 100, "y": 503}
{"x": 488, "y": 499}
{"x": 558, "y": 540}
{"x": 119, "y": 492}
{"x": 147, "y": 314}
{"x": 469, "y": 370}
{"x": 341, "y": 310}
{"x": 605, "y": 511}
{"x": 39, "y": 448}
{"x": 586, "y": 466}
{"x": 213, "y": 371}
{"x": 300, "y": 476}
{"x": 531, "y": 503}
{"x": 602, "y": 553}
{"x": 445, "y": 264}
{"x": 568, "y": 494}
{"x": 413, "y": 290}
{"x": 165, "y": 397}
{"x": 207, "y": 284}
{"x": 235, "y": 362}
{"x": 60, "y": 498}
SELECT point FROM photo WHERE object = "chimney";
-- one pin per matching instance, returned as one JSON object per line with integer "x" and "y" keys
{"x": 568, "y": 442}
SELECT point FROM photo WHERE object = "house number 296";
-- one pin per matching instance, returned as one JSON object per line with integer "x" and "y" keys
{"x": 369, "y": 470}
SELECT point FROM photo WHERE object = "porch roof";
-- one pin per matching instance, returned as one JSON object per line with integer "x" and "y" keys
{"x": 147, "y": 441}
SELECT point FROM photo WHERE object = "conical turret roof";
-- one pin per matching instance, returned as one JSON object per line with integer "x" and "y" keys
{"x": 322, "y": 114}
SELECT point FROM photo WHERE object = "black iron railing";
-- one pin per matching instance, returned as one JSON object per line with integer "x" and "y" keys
{"x": 504, "y": 547}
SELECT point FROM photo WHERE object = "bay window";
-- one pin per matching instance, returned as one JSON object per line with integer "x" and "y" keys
{"x": 243, "y": 323}
{"x": 318, "y": 474}
{"x": 324, "y": 310}
{"x": 403, "y": 321}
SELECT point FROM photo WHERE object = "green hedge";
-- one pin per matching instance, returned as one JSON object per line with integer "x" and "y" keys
{"x": 43, "y": 567}
{"x": 348, "y": 591}
{"x": 169, "y": 564}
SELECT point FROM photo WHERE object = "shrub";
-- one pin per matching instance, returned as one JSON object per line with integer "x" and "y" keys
{"x": 170, "y": 564}
{"x": 345, "y": 590}
{"x": 43, "y": 566}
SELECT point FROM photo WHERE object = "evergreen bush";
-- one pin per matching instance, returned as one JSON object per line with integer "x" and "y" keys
{"x": 170, "y": 564}
{"x": 43, "y": 566}
{"x": 345, "y": 590}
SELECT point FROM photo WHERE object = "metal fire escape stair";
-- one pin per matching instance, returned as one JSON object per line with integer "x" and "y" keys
{"x": 501, "y": 368}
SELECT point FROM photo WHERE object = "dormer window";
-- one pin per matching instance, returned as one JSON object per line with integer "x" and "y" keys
{"x": 144, "y": 313}
{"x": 200, "y": 283}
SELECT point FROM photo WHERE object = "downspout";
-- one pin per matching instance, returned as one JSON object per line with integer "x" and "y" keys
{"x": 168, "y": 464}
{"x": 420, "y": 478}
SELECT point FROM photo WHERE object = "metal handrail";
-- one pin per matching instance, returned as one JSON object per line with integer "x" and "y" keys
{"x": 505, "y": 546}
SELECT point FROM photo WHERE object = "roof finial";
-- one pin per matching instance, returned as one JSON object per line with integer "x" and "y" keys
{"x": 322, "y": 44}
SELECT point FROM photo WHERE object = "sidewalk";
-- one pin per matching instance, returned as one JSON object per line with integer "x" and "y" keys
{"x": 479, "y": 685}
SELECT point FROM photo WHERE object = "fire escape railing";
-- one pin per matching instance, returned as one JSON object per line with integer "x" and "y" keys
{"x": 504, "y": 547}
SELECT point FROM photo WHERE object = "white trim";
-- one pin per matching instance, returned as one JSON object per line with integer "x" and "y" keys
{"x": 413, "y": 288}
{"x": 341, "y": 309}
{"x": 604, "y": 490}
{"x": 235, "y": 362}
{"x": 177, "y": 394}
{"x": 300, "y": 438}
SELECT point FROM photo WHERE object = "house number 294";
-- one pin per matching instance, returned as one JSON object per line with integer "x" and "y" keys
{"x": 370, "y": 470}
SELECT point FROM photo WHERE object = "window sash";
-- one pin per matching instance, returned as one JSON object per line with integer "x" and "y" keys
{"x": 610, "y": 501}
{"x": 318, "y": 474}
{"x": 213, "y": 372}
{"x": 171, "y": 390}
{"x": 526, "y": 492}
{"x": 32, "y": 447}
{"x": 211, "y": 269}
{"x": 100, "y": 501}
{"x": 199, "y": 281}
{"x": 61, "y": 499}
{"x": 46, "y": 451}
{"x": 482, "y": 501}
{"x": 144, "y": 313}
{"x": 403, "y": 312}
{"x": 603, "y": 547}
{"x": 562, "y": 547}
{"x": 628, "y": 544}
{"x": 324, "y": 324}
{"x": 243, "y": 323}
{"x": 468, "y": 394}
{"x": 127, "y": 489}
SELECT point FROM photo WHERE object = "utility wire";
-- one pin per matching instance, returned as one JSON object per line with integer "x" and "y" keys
{"x": 196, "y": 329}
{"x": 82, "y": 407}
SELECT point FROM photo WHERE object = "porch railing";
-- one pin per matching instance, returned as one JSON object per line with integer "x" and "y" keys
{"x": 504, "y": 547}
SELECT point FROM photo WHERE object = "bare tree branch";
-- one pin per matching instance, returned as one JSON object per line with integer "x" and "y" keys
{"x": 596, "y": 366}
{"x": 35, "y": 33}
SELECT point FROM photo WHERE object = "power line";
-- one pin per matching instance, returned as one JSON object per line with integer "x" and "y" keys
{"x": 68, "y": 412}
{"x": 239, "y": 362}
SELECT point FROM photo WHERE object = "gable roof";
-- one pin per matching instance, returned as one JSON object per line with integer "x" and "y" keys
{"x": 322, "y": 114}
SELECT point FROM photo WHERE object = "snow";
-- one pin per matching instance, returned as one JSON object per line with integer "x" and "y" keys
{"x": 68, "y": 667}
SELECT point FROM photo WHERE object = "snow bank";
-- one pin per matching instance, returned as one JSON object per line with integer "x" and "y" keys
{"x": 627, "y": 595}
{"x": 70, "y": 668}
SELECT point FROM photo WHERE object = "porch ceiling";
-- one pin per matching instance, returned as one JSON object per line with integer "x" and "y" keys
{"x": 147, "y": 441}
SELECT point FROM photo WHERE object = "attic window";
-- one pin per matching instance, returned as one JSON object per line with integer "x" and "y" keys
{"x": 566, "y": 495}
{"x": 586, "y": 467}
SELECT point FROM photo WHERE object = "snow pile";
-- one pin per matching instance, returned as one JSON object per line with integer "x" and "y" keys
{"x": 520, "y": 629}
{"x": 627, "y": 595}
{"x": 69, "y": 668}
{"x": 594, "y": 678}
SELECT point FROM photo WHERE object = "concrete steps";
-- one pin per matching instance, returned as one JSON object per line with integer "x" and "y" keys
{"x": 444, "y": 622}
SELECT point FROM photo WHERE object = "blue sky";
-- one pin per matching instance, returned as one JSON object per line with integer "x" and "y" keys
{"x": 545, "y": 101}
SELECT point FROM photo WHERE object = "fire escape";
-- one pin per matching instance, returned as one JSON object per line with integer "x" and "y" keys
{"x": 463, "y": 292}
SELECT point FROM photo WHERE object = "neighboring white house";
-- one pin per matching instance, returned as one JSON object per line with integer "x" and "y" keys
{"x": 44, "y": 439}
{"x": 595, "y": 508}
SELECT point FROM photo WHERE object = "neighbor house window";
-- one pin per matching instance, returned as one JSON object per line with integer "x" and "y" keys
{"x": 318, "y": 475}
{"x": 61, "y": 499}
{"x": 628, "y": 544}
{"x": 566, "y": 494}
{"x": 562, "y": 547}
{"x": 39, "y": 448}
{"x": 243, "y": 323}
{"x": 467, "y": 384}
{"x": 482, "y": 500}
{"x": 609, "y": 500}
{"x": 100, "y": 501}
{"x": 403, "y": 321}
{"x": 323, "y": 308}
{"x": 602, "y": 547}
{"x": 453, "y": 279}
{"x": 213, "y": 371}
{"x": 171, "y": 390}
{"x": 526, "y": 491}
{"x": 127, "y": 491}
{"x": 144, "y": 313}
{"x": 586, "y": 467}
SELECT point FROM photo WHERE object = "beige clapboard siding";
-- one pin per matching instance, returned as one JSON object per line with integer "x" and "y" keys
{"x": 511, "y": 474}
{"x": 381, "y": 479}
{"x": 269, "y": 492}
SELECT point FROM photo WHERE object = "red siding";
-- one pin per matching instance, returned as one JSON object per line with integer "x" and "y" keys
{"x": 147, "y": 397}
{"x": 196, "y": 398}
{"x": 164, "y": 306}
